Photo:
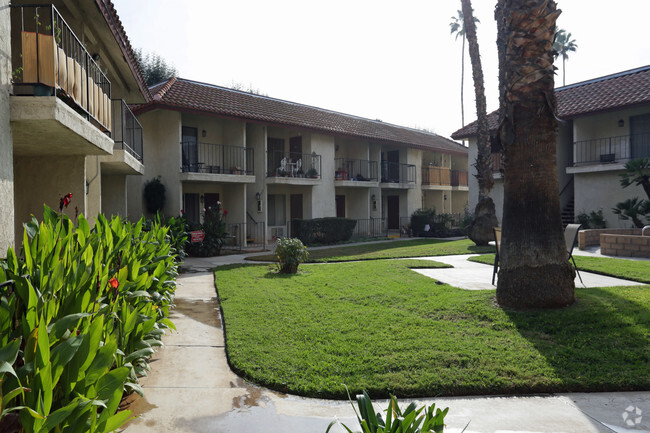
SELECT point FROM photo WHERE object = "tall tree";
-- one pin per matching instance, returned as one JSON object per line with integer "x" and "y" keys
{"x": 480, "y": 231}
{"x": 154, "y": 68}
{"x": 535, "y": 271}
{"x": 457, "y": 25}
{"x": 562, "y": 46}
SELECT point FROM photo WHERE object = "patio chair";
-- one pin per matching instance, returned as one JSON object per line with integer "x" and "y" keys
{"x": 570, "y": 237}
{"x": 497, "y": 243}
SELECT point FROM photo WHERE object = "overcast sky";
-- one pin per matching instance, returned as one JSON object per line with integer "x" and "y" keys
{"x": 388, "y": 60}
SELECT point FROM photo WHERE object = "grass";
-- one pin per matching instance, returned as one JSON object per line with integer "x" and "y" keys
{"x": 635, "y": 270}
{"x": 395, "y": 331}
{"x": 388, "y": 250}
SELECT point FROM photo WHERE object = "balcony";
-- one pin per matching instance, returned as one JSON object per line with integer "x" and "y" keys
{"x": 397, "y": 173}
{"x": 436, "y": 176}
{"x": 352, "y": 171}
{"x": 459, "y": 178}
{"x": 48, "y": 59}
{"x": 611, "y": 150}
{"x": 127, "y": 131}
{"x": 293, "y": 168}
{"x": 216, "y": 162}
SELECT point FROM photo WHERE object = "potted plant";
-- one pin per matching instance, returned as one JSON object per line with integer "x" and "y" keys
{"x": 312, "y": 173}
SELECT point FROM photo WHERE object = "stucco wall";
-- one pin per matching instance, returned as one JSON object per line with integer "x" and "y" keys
{"x": 6, "y": 143}
{"x": 162, "y": 157}
{"x": 94, "y": 194}
{"x": 322, "y": 196}
{"x": 413, "y": 196}
{"x": 46, "y": 179}
{"x": 256, "y": 138}
{"x": 113, "y": 195}
{"x": 602, "y": 190}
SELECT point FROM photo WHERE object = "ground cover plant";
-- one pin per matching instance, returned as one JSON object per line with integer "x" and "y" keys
{"x": 379, "y": 326}
{"x": 80, "y": 312}
{"x": 635, "y": 270}
{"x": 388, "y": 250}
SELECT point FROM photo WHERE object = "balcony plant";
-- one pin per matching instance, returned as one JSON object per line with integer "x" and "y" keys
{"x": 312, "y": 173}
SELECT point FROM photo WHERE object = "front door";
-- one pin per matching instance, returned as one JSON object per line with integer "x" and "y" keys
{"x": 190, "y": 149}
{"x": 392, "y": 202}
{"x": 340, "y": 206}
{"x": 296, "y": 206}
{"x": 640, "y": 136}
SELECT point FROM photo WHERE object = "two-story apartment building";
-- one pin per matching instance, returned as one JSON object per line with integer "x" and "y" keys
{"x": 67, "y": 75}
{"x": 605, "y": 122}
{"x": 270, "y": 161}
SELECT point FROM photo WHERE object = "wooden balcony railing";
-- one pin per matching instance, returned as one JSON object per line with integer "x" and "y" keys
{"x": 433, "y": 175}
{"x": 459, "y": 178}
{"x": 49, "y": 59}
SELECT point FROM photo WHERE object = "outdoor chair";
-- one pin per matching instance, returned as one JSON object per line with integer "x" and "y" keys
{"x": 497, "y": 243}
{"x": 570, "y": 237}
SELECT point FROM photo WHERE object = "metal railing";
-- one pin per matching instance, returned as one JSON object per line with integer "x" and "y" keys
{"x": 242, "y": 235}
{"x": 611, "y": 149}
{"x": 201, "y": 157}
{"x": 459, "y": 178}
{"x": 49, "y": 59}
{"x": 436, "y": 175}
{"x": 355, "y": 169}
{"x": 397, "y": 172}
{"x": 369, "y": 228}
{"x": 290, "y": 164}
{"x": 127, "y": 131}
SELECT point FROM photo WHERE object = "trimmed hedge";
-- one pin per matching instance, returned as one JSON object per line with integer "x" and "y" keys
{"x": 323, "y": 230}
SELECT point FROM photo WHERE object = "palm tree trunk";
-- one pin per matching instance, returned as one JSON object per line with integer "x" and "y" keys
{"x": 480, "y": 231}
{"x": 563, "y": 71}
{"x": 462, "y": 84}
{"x": 535, "y": 271}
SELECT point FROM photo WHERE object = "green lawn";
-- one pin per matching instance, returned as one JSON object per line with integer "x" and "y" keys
{"x": 377, "y": 325}
{"x": 389, "y": 250}
{"x": 636, "y": 270}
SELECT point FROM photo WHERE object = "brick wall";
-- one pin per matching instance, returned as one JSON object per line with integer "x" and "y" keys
{"x": 625, "y": 245}
{"x": 591, "y": 237}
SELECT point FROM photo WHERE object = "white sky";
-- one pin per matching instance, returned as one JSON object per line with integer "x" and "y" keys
{"x": 380, "y": 59}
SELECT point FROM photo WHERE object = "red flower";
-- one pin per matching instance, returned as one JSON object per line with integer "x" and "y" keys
{"x": 225, "y": 212}
{"x": 114, "y": 283}
{"x": 65, "y": 201}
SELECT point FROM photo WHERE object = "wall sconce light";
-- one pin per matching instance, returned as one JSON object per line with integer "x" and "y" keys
{"x": 621, "y": 123}
{"x": 203, "y": 133}
{"x": 444, "y": 196}
{"x": 87, "y": 187}
{"x": 258, "y": 197}
{"x": 373, "y": 197}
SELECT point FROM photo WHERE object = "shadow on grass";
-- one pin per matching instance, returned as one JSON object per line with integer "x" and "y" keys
{"x": 599, "y": 344}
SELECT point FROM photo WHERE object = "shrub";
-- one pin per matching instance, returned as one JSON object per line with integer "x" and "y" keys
{"x": 154, "y": 195}
{"x": 592, "y": 220}
{"x": 80, "y": 313}
{"x": 439, "y": 225}
{"x": 214, "y": 227}
{"x": 410, "y": 419}
{"x": 323, "y": 230}
{"x": 291, "y": 252}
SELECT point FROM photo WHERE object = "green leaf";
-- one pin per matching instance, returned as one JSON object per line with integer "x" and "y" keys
{"x": 9, "y": 353}
{"x": 142, "y": 353}
{"x": 116, "y": 421}
{"x": 65, "y": 323}
{"x": 102, "y": 362}
{"x": 5, "y": 367}
{"x": 110, "y": 388}
{"x": 59, "y": 416}
{"x": 62, "y": 354}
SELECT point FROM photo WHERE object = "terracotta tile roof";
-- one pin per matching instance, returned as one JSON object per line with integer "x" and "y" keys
{"x": 612, "y": 92}
{"x": 113, "y": 20}
{"x": 186, "y": 95}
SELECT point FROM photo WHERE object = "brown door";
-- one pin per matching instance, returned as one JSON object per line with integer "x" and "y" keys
{"x": 340, "y": 206}
{"x": 296, "y": 206}
{"x": 392, "y": 202}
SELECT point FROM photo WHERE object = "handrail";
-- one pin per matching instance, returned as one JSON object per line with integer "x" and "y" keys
{"x": 566, "y": 186}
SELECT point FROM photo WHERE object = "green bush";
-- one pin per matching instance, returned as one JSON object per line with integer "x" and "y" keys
{"x": 154, "y": 195}
{"x": 592, "y": 220}
{"x": 214, "y": 227}
{"x": 323, "y": 230}
{"x": 290, "y": 252}
{"x": 80, "y": 312}
{"x": 439, "y": 224}
{"x": 410, "y": 419}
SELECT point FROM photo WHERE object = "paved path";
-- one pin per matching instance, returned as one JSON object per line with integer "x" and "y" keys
{"x": 192, "y": 389}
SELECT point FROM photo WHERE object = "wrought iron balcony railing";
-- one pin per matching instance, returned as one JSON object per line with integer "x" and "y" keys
{"x": 397, "y": 172}
{"x": 49, "y": 59}
{"x": 127, "y": 131}
{"x": 355, "y": 169}
{"x": 216, "y": 158}
{"x": 621, "y": 148}
{"x": 291, "y": 164}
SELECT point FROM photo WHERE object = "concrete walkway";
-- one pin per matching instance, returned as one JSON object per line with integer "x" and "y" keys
{"x": 192, "y": 389}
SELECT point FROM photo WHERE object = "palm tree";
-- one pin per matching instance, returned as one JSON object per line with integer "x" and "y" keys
{"x": 562, "y": 46}
{"x": 535, "y": 271}
{"x": 480, "y": 231}
{"x": 457, "y": 25}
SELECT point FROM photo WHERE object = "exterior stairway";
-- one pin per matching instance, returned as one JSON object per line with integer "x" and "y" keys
{"x": 568, "y": 213}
